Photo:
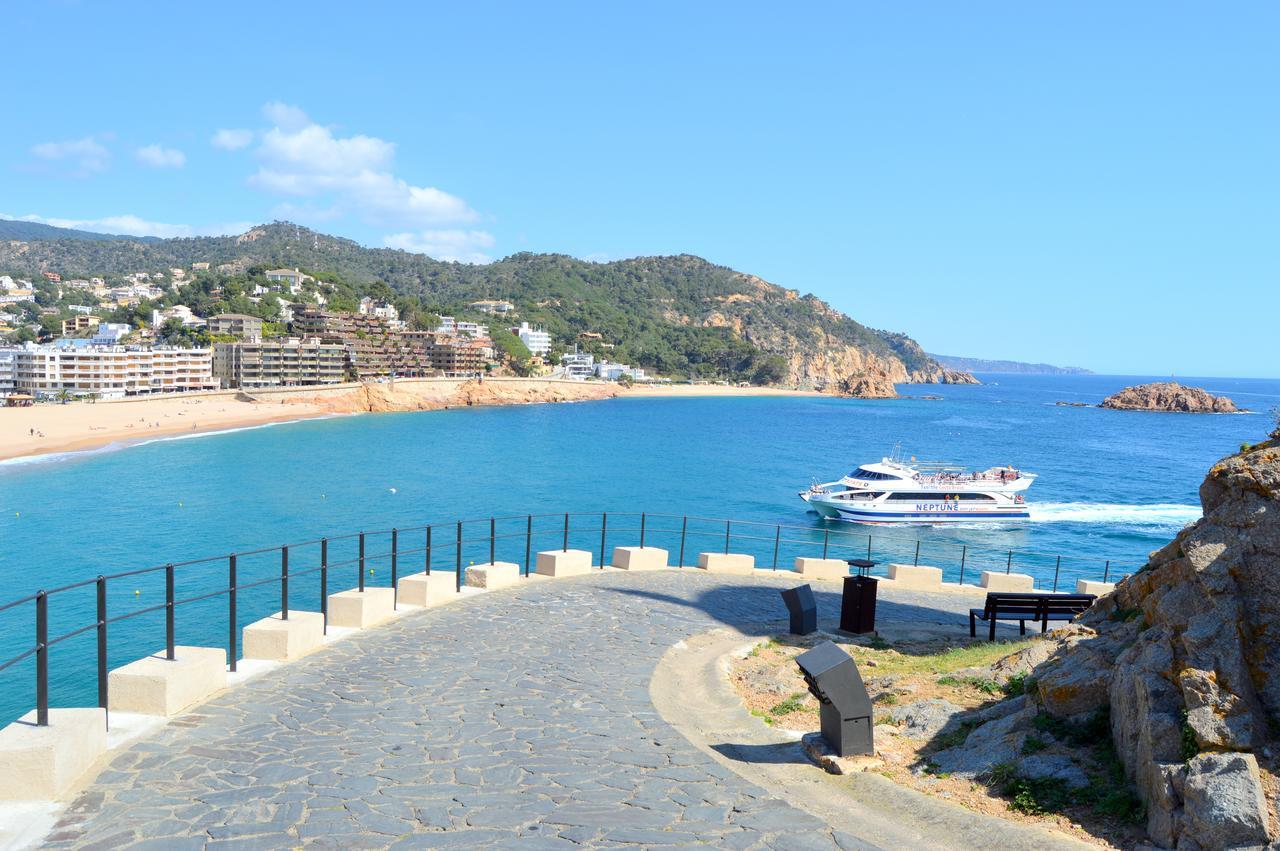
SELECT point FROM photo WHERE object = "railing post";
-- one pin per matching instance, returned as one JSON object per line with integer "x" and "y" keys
{"x": 777, "y": 540}
{"x": 168, "y": 613}
{"x": 642, "y": 530}
{"x": 917, "y": 558}
{"x": 492, "y": 538}
{"x": 684, "y": 528}
{"x": 868, "y": 548}
{"x": 102, "y": 641}
{"x": 457, "y": 577}
{"x": 826, "y": 542}
{"x": 604, "y": 531}
{"x": 1056, "y": 568}
{"x": 395, "y": 566}
{"x": 427, "y": 557}
{"x": 1009, "y": 565}
{"x": 964, "y": 552}
{"x": 324, "y": 585}
{"x": 360, "y": 567}
{"x": 528, "y": 542}
{"x": 726, "y": 536}
{"x": 1106, "y": 571}
{"x": 231, "y": 609}
{"x": 284, "y": 583}
{"x": 42, "y": 659}
{"x": 566, "y": 531}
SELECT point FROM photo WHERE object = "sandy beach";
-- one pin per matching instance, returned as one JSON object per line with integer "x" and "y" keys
{"x": 77, "y": 426}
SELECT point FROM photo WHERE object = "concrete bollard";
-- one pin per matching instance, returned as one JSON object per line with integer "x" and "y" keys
{"x": 821, "y": 568}
{"x": 361, "y": 609}
{"x": 1093, "y": 586}
{"x": 154, "y": 685}
{"x": 639, "y": 558}
{"x": 277, "y": 640}
{"x": 46, "y": 763}
{"x": 425, "y": 589}
{"x": 499, "y": 574}
{"x": 739, "y": 563}
{"x": 916, "y": 577}
{"x": 994, "y": 580}
{"x": 563, "y": 563}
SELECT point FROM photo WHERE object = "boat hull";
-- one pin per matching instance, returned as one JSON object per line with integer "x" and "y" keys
{"x": 909, "y": 513}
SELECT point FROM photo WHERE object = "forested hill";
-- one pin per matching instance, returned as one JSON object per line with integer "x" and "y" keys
{"x": 659, "y": 311}
{"x": 1006, "y": 366}
{"x": 20, "y": 230}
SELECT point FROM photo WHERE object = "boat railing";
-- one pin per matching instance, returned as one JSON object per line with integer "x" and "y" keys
{"x": 82, "y": 617}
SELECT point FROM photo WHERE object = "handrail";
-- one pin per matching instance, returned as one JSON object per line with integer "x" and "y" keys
{"x": 453, "y": 541}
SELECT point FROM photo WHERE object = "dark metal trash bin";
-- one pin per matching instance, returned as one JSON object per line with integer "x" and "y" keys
{"x": 858, "y": 605}
{"x": 845, "y": 706}
{"x": 803, "y": 609}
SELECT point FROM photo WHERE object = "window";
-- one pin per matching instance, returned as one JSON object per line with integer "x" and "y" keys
{"x": 943, "y": 497}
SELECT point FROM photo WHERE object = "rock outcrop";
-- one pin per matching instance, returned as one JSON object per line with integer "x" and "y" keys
{"x": 433, "y": 395}
{"x": 1184, "y": 657}
{"x": 1169, "y": 396}
{"x": 866, "y": 386}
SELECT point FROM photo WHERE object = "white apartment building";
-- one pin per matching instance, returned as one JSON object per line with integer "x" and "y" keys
{"x": 536, "y": 340}
{"x": 8, "y": 370}
{"x": 180, "y": 312}
{"x": 578, "y": 365}
{"x": 109, "y": 371}
{"x": 613, "y": 371}
{"x": 380, "y": 309}
{"x": 448, "y": 325}
{"x": 110, "y": 333}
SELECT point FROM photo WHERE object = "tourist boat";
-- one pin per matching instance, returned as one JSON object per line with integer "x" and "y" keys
{"x": 896, "y": 491}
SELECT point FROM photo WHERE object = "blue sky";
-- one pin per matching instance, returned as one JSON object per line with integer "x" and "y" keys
{"x": 1082, "y": 183}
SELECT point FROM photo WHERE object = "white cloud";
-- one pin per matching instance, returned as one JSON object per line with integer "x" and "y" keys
{"x": 87, "y": 154}
{"x": 161, "y": 157}
{"x": 300, "y": 158}
{"x": 136, "y": 226}
{"x": 457, "y": 244}
{"x": 231, "y": 139}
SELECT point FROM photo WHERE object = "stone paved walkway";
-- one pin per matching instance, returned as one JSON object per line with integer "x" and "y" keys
{"x": 516, "y": 717}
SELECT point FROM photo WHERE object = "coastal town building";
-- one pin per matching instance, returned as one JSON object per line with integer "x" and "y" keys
{"x": 240, "y": 325}
{"x": 290, "y": 277}
{"x": 381, "y": 309}
{"x": 180, "y": 312}
{"x": 536, "y": 340}
{"x": 109, "y": 371}
{"x": 614, "y": 371}
{"x": 290, "y": 362}
{"x": 578, "y": 365}
{"x": 110, "y": 333}
{"x": 374, "y": 348}
{"x": 491, "y": 306}
{"x": 449, "y": 325}
{"x": 200, "y": 266}
{"x": 78, "y": 323}
{"x": 8, "y": 371}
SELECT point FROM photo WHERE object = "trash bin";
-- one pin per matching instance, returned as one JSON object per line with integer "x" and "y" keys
{"x": 858, "y": 605}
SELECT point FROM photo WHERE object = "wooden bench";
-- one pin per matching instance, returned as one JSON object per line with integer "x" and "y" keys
{"x": 1008, "y": 606}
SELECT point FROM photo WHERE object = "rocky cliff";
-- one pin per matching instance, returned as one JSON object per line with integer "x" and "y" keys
{"x": 433, "y": 395}
{"x": 1184, "y": 659}
{"x": 1169, "y": 396}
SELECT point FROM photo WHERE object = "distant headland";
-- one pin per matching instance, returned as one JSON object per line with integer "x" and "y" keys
{"x": 1006, "y": 366}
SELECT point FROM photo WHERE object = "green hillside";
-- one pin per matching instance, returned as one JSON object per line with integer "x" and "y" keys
{"x": 675, "y": 315}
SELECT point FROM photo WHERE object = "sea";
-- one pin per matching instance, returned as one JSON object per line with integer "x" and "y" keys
{"x": 698, "y": 474}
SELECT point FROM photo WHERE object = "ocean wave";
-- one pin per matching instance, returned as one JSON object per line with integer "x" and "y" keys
{"x": 1166, "y": 514}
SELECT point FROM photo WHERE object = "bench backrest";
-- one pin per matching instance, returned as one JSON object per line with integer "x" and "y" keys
{"x": 1067, "y": 603}
{"x": 1005, "y": 604}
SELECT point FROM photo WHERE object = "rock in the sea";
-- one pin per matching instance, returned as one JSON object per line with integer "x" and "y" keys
{"x": 924, "y": 719}
{"x": 1223, "y": 805}
{"x": 1169, "y": 396}
{"x": 867, "y": 385}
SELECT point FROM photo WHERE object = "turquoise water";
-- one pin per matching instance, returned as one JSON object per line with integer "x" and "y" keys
{"x": 1113, "y": 486}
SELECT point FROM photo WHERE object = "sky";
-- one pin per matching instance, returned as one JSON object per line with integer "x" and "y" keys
{"x": 1087, "y": 183}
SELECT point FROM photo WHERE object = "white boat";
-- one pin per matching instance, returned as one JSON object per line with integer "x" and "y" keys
{"x": 895, "y": 491}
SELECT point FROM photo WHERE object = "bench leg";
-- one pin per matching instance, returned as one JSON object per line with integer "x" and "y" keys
{"x": 1044, "y": 626}
{"x": 973, "y": 626}
{"x": 1022, "y": 627}
{"x": 991, "y": 635}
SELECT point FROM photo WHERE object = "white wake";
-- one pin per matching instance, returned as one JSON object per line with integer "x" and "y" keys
{"x": 1156, "y": 514}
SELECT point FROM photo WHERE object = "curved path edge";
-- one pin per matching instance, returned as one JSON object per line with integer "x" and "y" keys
{"x": 691, "y": 691}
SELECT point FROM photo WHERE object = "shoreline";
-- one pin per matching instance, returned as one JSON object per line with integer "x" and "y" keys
{"x": 83, "y": 427}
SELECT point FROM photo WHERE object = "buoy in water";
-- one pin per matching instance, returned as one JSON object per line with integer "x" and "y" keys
{"x": 393, "y": 490}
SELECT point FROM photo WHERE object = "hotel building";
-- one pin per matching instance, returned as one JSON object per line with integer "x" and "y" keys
{"x": 109, "y": 371}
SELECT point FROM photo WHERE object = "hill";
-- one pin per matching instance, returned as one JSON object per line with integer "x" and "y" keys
{"x": 674, "y": 315}
{"x": 12, "y": 229}
{"x": 1006, "y": 366}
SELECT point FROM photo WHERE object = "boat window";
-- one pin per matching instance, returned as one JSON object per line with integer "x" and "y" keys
{"x": 870, "y": 475}
{"x": 943, "y": 497}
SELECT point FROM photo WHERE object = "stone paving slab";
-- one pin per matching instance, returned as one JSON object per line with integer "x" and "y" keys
{"x": 521, "y": 715}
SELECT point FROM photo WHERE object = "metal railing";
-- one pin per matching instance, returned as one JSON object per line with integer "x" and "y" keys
{"x": 768, "y": 542}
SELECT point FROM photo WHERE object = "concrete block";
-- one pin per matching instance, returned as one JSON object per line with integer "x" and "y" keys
{"x": 280, "y": 640}
{"x": 916, "y": 577}
{"x": 45, "y": 763}
{"x": 739, "y": 563}
{"x": 423, "y": 589}
{"x": 563, "y": 563}
{"x": 500, "y": 574}
{"x": 361, "y": 610}
{"x": 154, "y": 685}
{"x": 821, "y": 568}
{"x": 994, "y": 580}
{"x": 639, "y": 558}
{"x": 1093, "y": 586}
